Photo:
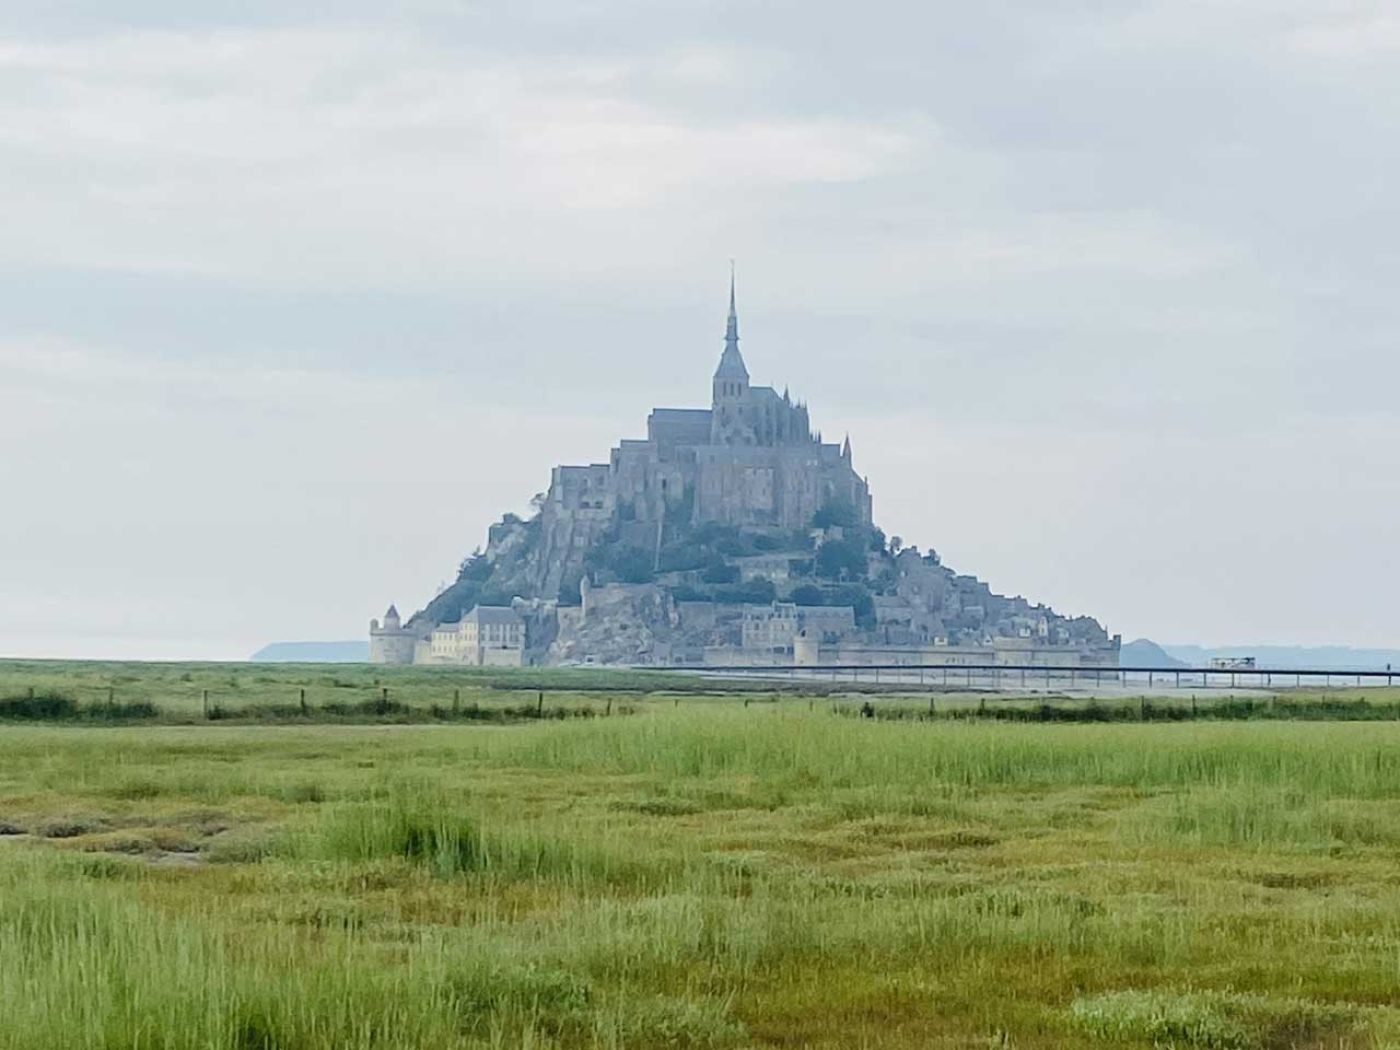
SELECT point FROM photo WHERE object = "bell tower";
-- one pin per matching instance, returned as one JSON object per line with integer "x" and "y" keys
{"x": 730, "y": 424}
{"x": 731, "y": 383}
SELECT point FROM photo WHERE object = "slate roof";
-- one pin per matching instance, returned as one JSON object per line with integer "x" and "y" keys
{"x": 492, "y": 614}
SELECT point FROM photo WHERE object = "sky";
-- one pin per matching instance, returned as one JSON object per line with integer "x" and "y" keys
{"x": 295, "y": 300}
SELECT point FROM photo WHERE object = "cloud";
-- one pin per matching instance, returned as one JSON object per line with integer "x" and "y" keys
{"x": 1356, "y": 36}
{"x": 207, "y": 507}
{"x": 260, "y": 154}
{"x": 272, "y": 280}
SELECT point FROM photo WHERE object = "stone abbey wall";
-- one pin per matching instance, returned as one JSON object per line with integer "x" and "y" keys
{"x": 750, "y": 460}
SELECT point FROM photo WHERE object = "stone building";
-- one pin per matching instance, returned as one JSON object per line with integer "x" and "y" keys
{"x": 729, "y": 535}
{"x": 488, "y": 636}
{"x": 750, "y": 460}
{"x": 391, "y": 643}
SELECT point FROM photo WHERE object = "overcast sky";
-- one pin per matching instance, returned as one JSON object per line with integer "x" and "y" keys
{"x": 294, "y": 305}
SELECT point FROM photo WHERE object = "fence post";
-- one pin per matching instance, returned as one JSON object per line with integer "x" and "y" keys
{"x": 609, "y": 708}
{"x": 539, "y": 704}
{"x": 456, "y": 701}
{"x": 204, "y": 702}
{"x": 301, "y": 699}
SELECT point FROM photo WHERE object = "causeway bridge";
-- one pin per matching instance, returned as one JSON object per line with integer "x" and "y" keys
{"x": 1040, "y": 677}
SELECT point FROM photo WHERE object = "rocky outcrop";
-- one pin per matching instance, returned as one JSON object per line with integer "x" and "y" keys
{"x": 735, "y": 508}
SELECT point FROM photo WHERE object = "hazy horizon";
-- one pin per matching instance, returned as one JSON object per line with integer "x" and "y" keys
{"x": 293, "y": 306}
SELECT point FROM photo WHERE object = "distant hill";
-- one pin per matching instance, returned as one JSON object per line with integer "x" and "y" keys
{"x": 312, "y": 653}
{"x": 1292, "y": 657}
{"x": 1145, "y": 653}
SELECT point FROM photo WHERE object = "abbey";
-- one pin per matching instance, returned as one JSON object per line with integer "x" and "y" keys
{"x": 749, "y": 460}
{"x": 731, "y": 534}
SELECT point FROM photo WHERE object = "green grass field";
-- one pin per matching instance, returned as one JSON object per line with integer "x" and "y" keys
{"x": 195, "y": 693}
{"x": 701, "y": 874}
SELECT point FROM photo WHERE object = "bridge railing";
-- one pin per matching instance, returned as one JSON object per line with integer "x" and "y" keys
{"x": 1051, "y": 675}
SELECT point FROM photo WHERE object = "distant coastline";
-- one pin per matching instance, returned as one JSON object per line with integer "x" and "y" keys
{"x": 312, "y": 653}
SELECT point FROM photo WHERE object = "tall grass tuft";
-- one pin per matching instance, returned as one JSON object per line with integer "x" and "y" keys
{"x": 422, "y": 828}
{"x": 88, "y": 966}
{"x": 56, "y": 707}
{"x": 1209, "y": 1020}
{"x": 425, "y": 827}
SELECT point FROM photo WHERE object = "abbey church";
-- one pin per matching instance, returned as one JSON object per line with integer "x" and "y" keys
{"x": 750, "y": 460}
{"x": 731, "y": 534}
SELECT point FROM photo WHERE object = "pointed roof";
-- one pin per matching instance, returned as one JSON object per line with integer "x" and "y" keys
{"x": 731, "y": 362}
{"x": 392, "y": 614}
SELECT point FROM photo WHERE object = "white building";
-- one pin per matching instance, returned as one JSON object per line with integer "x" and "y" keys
{"x": 488, "y": 636}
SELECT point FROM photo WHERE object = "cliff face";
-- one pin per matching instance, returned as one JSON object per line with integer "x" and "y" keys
{"x": 675, "y": 592}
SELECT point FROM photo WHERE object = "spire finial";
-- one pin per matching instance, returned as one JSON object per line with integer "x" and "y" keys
{"x": 731, "y": 364}
{"x": 733, "y": 330}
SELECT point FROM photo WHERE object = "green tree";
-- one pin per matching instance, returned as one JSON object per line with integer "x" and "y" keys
{"x": 571, "y": 590}
{"x": 751, "y": 592}
{"x": 835, "y": 512}
{"x": 631, "y": 564}
{"x": 475, "y": 567}
{"x": 842, "y": 559}
{"x": 720, "y": 571}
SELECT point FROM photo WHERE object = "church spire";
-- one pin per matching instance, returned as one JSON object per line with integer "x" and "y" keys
{"x": 731, "y": 332}
{"x": 731, "y": 363}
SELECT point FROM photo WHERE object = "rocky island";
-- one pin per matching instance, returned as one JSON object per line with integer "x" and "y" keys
{"x": 732, "y": 535}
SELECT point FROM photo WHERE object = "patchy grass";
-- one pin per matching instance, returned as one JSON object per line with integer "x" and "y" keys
{"x": 711, "y": 876}
{"x": 1210, "y": 1020}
